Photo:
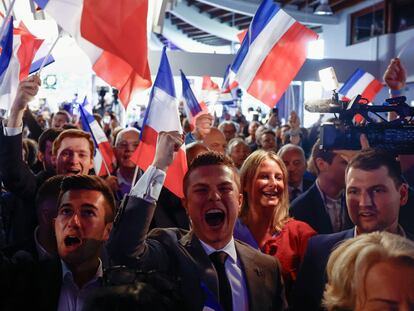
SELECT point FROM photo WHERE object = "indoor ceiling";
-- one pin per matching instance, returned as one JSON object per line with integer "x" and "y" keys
{"x": 214, "y": 24}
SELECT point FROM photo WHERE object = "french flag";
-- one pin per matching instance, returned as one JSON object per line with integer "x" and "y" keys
{"x": 361, "y": 83}
{"x": 104, "y": 157}
{"x": 162, "y": 115}
{"x": 229, "y": 84}
{"x": 271, "y": 54}
{"x": 40, "y": 56}
{"x": 114, "y": 36}
{"x": 191, "y": 105}
{"x": 18, "y": 47}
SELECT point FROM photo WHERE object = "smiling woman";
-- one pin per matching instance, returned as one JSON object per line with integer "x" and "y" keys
{"x": 264, "y": 221}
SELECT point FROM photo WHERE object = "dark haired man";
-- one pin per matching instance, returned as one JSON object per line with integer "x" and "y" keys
{"x": 375, "y": 191}
{"x": 211, "y": 265}
{"x": 42, "y": 243}
{"x": 86, "y": 208}
{"x": 323, "y": 205}
{"x": 59, "y": 119}
{"x": 45, "y": 155}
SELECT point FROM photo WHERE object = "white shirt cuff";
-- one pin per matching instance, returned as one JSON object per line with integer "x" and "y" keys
{"x": 149, "y": 185}
{"x": 12, "y": 131}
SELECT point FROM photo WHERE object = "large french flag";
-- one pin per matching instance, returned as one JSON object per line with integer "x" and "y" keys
{"x": 271, "y": 54}
{"x": 361, "y": 83}
{"x": 104, "y": 157}
{"x": 18, "y": 47}
{"x": 114, "y": 36}
{"x": 162, "y": 115}
{"x": 191, "y": 105}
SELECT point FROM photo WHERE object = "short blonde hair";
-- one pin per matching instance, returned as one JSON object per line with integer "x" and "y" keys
{"x": 349, "y": 263}
{"x": 247, "y": 175}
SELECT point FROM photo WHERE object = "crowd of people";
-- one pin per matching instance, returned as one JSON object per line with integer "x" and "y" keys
{"x": 269, "y": 219}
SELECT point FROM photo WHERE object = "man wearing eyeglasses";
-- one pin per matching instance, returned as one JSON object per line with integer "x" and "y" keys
{"x": 126, "y": 142}
{"x": 214, "y": 270}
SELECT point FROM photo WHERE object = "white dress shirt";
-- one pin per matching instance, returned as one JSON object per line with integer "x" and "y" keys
{"x": 72, "y": 298}
{"x": 234, "y": 274}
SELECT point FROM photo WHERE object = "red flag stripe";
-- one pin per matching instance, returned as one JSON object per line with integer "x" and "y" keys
{"x": 281, "y": 65}
{"x": 143, "y": 157}
{"x": 372, "y": 90}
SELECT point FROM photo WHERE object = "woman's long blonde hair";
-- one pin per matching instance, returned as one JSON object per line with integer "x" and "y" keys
{"x": 247, "y": 175}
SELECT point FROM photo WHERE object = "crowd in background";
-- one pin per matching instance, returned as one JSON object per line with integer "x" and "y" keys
{"x": 299, "y": 201}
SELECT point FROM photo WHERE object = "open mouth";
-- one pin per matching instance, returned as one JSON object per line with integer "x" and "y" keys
{"x": 72, "y": 241}
{"x": 214, "y": 217}
{"x": 270, "y": 194}
{"x": 73, "y": 171}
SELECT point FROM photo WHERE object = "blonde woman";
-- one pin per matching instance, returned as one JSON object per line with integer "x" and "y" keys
{"x": 264, "y": 221}
{"x": 371, "y": 272}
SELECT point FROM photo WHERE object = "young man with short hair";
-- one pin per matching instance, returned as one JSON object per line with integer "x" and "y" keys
{"x": 209, "y": 263}
{"x": 86, "y": 209}
{"x": 375, "y": 191}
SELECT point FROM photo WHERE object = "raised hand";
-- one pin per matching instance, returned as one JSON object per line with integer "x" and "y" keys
{"x": 395, "y": 75}
{"x": 26, "y": 91}
{"x": 167, "y": 145}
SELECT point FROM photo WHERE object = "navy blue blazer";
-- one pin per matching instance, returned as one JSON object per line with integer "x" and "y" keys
{"x": 310, "y": 284}
{"x": 310, "y": 208}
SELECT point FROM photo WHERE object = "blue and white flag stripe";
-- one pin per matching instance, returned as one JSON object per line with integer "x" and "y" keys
{"x": 356, "y": 76}
{"x": 7, "y": 48}
{"x": 192, "y": 107}
{"x": 262, "y": 46}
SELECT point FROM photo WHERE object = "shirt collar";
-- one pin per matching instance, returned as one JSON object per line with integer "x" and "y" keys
{"x": 66, "y": 271}
{"x": 300, "y": 187}
{"x": 121, "y": 179}
{"x": 325, "y": 197}
{"x": 401, "y": 231}
{"x": 229, "y": 249}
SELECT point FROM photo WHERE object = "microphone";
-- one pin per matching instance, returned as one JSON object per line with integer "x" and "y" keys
{"x": 323, "y": 106}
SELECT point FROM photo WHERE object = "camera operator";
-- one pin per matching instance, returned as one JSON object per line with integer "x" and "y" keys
{"x": 395, "y": 77}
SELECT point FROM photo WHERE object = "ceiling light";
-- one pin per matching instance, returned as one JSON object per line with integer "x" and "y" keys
{"x": 323, "y": 8}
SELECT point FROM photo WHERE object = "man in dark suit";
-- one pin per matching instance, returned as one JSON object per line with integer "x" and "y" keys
{"x": 294, "y": 158}
{"x": 86, "y": 208}
{"x": 71, "y": 153}
{"x": 375, "y": 191}
{"x": 243, "y": 279}
{"x": 323, "y": 205}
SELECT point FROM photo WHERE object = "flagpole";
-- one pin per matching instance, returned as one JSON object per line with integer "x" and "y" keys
{"x": 96, "y": 144}
{"x": 6, "y": 18}
{"x": 134, "y": 179}
{"x": 48, "y": 54}
{"x": 405, "y": 47}
{"x": 104, "y": 162}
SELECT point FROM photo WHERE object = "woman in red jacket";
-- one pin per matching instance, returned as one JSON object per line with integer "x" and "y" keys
{"x": 264, "y": 221}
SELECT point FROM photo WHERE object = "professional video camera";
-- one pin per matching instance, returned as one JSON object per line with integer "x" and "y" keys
{"x": 396, "y": 136}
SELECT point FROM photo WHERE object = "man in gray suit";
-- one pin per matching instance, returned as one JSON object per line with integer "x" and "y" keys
{"x": 212, "y": 269}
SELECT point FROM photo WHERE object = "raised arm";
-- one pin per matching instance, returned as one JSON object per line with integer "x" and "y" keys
{"x": 16, "y": 175}
{"x": 128, "y": 238}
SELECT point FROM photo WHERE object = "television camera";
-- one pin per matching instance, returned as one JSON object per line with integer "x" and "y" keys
{"x": 396, "y": 136}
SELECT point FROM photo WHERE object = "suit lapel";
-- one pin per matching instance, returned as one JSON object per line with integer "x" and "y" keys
{"x": 253, "y": 273}
{"x": 199, "y": 259}
{"x": 320, "y": 214}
